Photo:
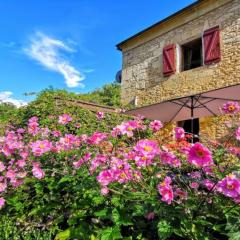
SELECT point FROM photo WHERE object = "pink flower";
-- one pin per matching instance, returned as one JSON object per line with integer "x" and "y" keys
{"x": 40, "y": 147}
{"x": 21, "y": 163}
{"x": 97, "y": 161}
{"x": 6, "y": 150}
{"x": 200, "y": 156}
{"x": 208, "y": 184}
{"x": 2, "y": 167}
{"x": 209, "y": 171}
{"x": 16, "y": 182}
{"x": 3, "y": 186}
{"x": 105, "y": 177}
{"x": 20, "y": 130}
{"x": 155, "y": 125}
{"x": 100, "y": 115}
{"x": 67, "y": 142}
{"x": 45, "y": 132}
{"x": 169, "y": 158}
{"x": 97, "y": 137}
{"x": 10, "y": 174}
{"x": 179, "y": 133}
{"x": 143, "y": 161}
{"x": 238, "y": 133}
{"x": 37, "y": 171}
{"x": 229, "y": 186}
{"x": 78, "y": 164}
{"x": 64, "y": 119}
{"x": 147, "y": 148}
{"x": 33, "y": 119}
{"x": 104, "y": 191}
{"x": 231, "y": 107}
{"x": 56, "y": 133}
{"x": 24, "y": 154}
{"x": 2, "y": 202}
{"x": 166, "y": 191}
{"x": 122, "y": 175}
{"x": 196, "y": 175}
{"x": 181, "y": 194}
{"x": 33, "y": 126}
{"x": 81, "y": 161}
{"x": 127, "y": 128}
{"x": 237, "y": 200}
{"x": 194, "y": 185}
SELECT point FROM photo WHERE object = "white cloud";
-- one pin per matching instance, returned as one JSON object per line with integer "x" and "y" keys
{"x": 49, "y": 52}
{"x": 6, "y": 97}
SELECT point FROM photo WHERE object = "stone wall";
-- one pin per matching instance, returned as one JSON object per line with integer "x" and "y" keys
{"x": 142, "y": 65}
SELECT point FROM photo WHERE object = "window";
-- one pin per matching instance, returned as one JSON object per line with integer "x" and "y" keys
{"x": 196, "y": 53}
{"x": 192, "y": 55}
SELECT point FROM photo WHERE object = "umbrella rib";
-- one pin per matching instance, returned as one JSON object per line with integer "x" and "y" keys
{"x": 207, "y": 108}
{"x": 181, "y": 103}
{"x": 198, "y": 106}
{"x": 196, "y": 99}
{"x": 184, "y": 104}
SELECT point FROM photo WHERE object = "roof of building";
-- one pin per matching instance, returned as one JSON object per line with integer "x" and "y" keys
{"x": 189, "y": 7}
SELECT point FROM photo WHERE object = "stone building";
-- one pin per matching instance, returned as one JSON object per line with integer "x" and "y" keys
{"x": 194, "y": 50}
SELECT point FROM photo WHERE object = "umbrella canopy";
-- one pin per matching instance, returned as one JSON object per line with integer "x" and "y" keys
{"x": 194, "y": 106}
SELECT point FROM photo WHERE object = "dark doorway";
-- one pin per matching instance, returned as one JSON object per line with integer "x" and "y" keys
{"x": 187, "y": 126}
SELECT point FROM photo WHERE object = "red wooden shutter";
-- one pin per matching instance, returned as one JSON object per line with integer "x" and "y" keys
{"x": 169, "y": 63}
{"x": 211, "y": 42}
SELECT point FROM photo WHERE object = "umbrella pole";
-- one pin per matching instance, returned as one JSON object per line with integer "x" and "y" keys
{"x": 192, "y": 108}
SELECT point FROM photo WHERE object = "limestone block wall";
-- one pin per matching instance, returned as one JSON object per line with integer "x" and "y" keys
{"x": 142, "y": 65}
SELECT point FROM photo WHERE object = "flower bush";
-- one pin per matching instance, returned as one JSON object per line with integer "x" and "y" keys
{"x": 120, "y": 183}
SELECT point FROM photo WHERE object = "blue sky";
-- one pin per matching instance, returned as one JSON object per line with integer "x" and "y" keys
{"x": 68, "y": 44}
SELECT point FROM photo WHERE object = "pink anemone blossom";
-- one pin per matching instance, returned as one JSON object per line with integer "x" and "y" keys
{"x": 200, "y": 156}
{"x": 3, "y": 186}
{"x": 2, "y": 167}
{"x": 40, "y": 147}
{"x": 155, "y": 125}
{"x": 169, "y": 158}
{"x": 105, "y": 177}
{"x": 96, "y": 138}
{"x": 64, "y": 119}
{"x": 231, "y": 107}
{"x": 229, "y": 186}
{"x": 37, "y": 171}
{"x": 194, "y": 185}
{"x": 100, "y": 115}
{"x": 166, "y": 191}
{"x": 104, "y": 191}
{"x": 147, "y": 148}
{"x": 179, "y": 133}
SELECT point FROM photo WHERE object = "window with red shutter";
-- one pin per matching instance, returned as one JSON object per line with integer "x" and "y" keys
{"x": 169, "y": 62}
{"x": 211, "y": 42}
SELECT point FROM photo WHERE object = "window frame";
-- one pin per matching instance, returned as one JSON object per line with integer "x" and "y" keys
{"x": 181, "y": 54}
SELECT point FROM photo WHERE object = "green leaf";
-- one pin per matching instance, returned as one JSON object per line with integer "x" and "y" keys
{"x": 98, "y": 200}
{"x": 111, "y": 234}
{"x": 121, "y": 218}
{"x": 101, "y": 213}
{"x": 66, "y": 179}
{"x": 63, "y": 235}
{"x": 116, "y": 216}
{"x": 164, "y": 229}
